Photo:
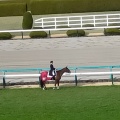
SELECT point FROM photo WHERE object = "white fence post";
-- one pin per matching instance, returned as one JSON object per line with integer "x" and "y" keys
{"x": 42, "y": 23}
{"x": 94, "y": 20}
{"x": 55, "y": 22}
{"x": 107, "y": 19}
{"x": 68, "y": 21}
{"x": 81, "y": 21}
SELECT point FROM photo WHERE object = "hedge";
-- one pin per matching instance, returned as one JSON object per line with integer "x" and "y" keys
{"x": 12, "y": 9}
{"x": 41, "y": 7}
{"x": 111, "y": 31}
{"x": 5, "y": 36}
{"x": 73, "y": 6}
{"x": 88, "y": 25}
{"x": 75, "y": 33}
{"x": 38, "y": 34}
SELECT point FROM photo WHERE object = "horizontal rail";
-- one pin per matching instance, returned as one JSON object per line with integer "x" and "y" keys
{"x": 20, "y": 75}
{"x": 94, "y": 73}
{"x": 71, "y": 68}
{"x": 59, "y": 29}
{"x": 65, "y": 74}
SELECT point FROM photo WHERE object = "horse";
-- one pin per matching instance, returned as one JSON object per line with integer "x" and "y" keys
{"x": 44, "y": 77}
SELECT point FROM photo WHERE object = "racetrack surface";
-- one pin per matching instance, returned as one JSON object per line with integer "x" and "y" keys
{"x": 77, "y": 51}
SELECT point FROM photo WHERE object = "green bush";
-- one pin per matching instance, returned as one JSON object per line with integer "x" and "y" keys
{"x": 38, "y": 34}
{"x": 27, "y": 22}
{"x": 75, "y": 33}
{"x": 88, "y": 25}
{"x": 111, "y": 31}
{"x": 114, "y": 24}
{"x": 5, "y": 36}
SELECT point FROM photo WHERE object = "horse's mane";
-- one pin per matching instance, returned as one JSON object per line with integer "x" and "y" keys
{"x": 60, "y": 69}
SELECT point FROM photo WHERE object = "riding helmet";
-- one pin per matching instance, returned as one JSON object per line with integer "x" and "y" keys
{"x": 51, "y": 61}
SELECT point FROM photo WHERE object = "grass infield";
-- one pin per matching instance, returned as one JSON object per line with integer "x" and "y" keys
{"x": 68, "y": 103}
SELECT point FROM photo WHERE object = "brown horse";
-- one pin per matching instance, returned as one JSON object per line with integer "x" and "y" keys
{"x": 43, "y": 77}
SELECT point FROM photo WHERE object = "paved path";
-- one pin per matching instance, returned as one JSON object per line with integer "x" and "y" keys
{"x": 79, "y": 51}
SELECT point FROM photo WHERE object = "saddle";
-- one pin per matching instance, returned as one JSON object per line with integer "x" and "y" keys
{"x": 51, "y": 74}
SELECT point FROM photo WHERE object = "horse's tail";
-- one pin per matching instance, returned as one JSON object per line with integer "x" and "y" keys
{"x": 40, "y": 82}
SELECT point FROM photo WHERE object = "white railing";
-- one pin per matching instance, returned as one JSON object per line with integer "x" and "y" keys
{"x": 65, "y": 74}
{"x": 73, "y": 23}
{"x": 79, "y": 22}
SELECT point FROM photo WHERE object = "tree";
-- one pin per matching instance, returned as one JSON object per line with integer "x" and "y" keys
{"x": 27, "y": 22}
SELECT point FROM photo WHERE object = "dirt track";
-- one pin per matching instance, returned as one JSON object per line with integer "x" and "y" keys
{"x": 63, "y": 51}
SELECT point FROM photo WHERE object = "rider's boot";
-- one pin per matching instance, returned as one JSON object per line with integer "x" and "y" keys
{"x": 53, "y": 77}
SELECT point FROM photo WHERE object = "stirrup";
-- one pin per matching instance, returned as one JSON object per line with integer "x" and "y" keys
{"x": 53, "y": 78}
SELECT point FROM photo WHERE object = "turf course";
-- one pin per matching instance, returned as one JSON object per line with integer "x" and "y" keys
{"x": 68, "y": 103}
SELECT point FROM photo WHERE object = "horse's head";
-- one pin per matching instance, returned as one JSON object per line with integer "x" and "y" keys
{"x": 67, "y": 70}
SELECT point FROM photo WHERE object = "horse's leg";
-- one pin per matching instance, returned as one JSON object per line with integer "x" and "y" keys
{"x": 58, "y": 84}
{"x": 41, "y": 82}
{"x": 44, "y": 86}
{"x": 55, "y": 84}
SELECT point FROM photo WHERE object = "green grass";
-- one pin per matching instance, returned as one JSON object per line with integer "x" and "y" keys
{"x": 68, "y": 103}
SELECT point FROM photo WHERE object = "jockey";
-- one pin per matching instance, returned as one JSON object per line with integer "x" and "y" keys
{"x": 52, "y": 71}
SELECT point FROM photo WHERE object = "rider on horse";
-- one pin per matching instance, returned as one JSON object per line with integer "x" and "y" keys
{"x": 52, "y": 71}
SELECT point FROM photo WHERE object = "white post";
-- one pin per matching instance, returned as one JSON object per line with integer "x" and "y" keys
{"x": 55, "y": 22}
{"x": 68, "y": 22}
{"x": 81, "y": 21}
{"x": 94, "y": 20}
{"x": 107, "y": 19}
{"x": 42, "y": 23}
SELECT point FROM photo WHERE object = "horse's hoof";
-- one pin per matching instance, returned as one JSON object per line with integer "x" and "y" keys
{"x": 44, "y": 88}
{"x": 54, "y": 88}
{"x": 58, "y": 88}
